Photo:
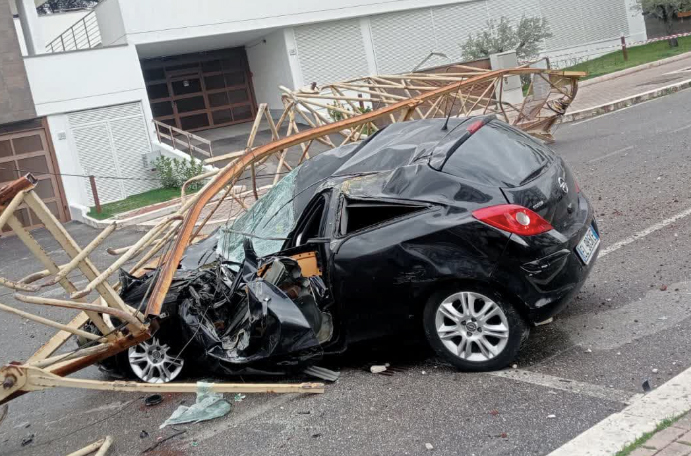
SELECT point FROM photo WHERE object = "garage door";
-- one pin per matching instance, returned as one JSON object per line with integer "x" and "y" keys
{"x": 29, "y": 151}
{"x": 199, "y": 91}
{"x": 111, "y": 142}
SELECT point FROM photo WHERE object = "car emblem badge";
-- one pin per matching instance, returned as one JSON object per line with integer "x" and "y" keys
{"x": 563, "y": 185}
{"x": 470, "y": 326}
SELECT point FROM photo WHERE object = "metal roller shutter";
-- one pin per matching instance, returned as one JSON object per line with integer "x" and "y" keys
{"x": 110, "y": 142}
{"x": 513, "y": 9}
{"x": 402, "y": 40}
{"x": 331, "y": 51}
{"x": 565, "y": 21}
{"x": 453, "y": 24}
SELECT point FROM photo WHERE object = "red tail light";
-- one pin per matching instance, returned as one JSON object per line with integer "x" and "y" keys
{"x": 514, "y": 219}
{"x": 475, "y": 126}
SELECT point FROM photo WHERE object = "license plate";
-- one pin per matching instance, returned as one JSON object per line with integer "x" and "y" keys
{"x": 588, "y": 245}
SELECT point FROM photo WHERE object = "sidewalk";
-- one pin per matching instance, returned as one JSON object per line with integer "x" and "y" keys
{"x": 609, "y": 93}
{"x": 674, "y": 440}
{"x": 658, "y": 423}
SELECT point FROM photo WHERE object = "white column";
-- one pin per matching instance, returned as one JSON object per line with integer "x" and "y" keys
{"x": 33, "y": 36}
{"x": 293, "y": 57}
{"x": 366, "y": 30}
{"x": 637, "y": 30}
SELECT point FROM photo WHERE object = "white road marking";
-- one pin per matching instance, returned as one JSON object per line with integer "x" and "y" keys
{"x": 610, "y": 154}
{"x": 681, "y": 129}
{"x": 571, "y": 386}
{"x": 658, "y": 226}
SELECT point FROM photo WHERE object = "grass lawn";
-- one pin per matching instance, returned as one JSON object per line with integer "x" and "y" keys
{"x": 135, "y": 202}
{"x": 638, "y": 55}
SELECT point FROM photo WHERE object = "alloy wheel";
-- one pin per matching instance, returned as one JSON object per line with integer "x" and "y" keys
{"x": 152, "y": 362}
{"x": 472, "y": 326}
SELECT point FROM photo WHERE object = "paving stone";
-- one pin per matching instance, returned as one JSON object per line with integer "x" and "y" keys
{"x": 643, "y": 452}
{"x": 664, "y": 438}
{"x": 675, "y": 449}
{"x": 684, "y": 423}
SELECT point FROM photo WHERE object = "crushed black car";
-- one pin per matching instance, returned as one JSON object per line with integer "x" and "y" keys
{"x": 466, "y": 230}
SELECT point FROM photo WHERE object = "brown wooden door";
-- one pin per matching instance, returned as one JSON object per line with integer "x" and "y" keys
{"x": 200, "y": 91}
{"x": 30, "y": 152}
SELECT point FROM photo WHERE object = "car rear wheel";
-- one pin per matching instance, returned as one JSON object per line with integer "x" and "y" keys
{"x": 474, "y": 329}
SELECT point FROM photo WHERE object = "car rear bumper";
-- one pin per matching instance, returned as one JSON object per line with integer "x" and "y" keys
{"x": 544, "y": 273}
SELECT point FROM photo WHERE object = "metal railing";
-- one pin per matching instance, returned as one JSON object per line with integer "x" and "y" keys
{"x": 84, "y": 34}
{"x": 191, "y": 143}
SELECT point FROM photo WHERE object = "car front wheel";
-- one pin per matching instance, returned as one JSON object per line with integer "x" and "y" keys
{"x": 474, "y": 329}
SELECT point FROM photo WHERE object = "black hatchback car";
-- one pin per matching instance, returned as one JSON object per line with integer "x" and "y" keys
{"x": 469, "y": 230}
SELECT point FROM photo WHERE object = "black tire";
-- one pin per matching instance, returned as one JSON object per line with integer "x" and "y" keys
{"x": 518, "y": 330}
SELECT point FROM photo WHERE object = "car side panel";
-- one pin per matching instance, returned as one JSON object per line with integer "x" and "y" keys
{"x": 381, "y": 277}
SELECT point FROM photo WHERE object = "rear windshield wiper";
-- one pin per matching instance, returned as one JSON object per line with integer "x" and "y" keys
{"x": 534, "y": 174}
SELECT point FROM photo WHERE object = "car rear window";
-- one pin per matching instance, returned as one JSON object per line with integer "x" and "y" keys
{"x": 499, "y": 155}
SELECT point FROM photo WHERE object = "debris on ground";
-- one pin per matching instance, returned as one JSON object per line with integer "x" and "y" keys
{"x": 154, "y": 399}
{"x": 646, "y": 386}
{"x": 589, "y": 351}
{"x": 429, "y": 446}
{"x": 102, "y": 446}
{"x": 377, "y": 369}
{"x": 663, "y": 288}
{"x": 494, "y": 412}
{"x": 322, "y": 373}
{"x": 209, "y": 405}
{"x": 551, "y": 416}
{"x": 239, "y": 397}
{"x": 23, "y": 425}
{"x": 143, "y": 435}
{"x": 27, "y": 440}
{"x": 161, "y": 440}
{"x": 655, "y": 371}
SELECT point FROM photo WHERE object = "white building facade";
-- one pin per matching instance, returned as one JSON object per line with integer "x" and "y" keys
{"x": 206, "y": 64}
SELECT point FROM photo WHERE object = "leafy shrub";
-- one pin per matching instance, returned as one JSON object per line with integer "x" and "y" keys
{"x": 173, "y": 173}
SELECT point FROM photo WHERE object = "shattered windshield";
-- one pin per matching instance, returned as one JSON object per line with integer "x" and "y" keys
{"x": 268, "y": 222}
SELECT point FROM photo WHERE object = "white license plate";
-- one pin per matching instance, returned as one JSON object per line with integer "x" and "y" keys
{"x": 588, "y": 245}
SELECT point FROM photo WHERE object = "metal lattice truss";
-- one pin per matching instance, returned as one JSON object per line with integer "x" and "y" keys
{"x": 384, "y": 100}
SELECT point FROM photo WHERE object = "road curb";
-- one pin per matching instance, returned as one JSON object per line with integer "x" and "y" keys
{"x": 616, "y": 431}
{"x": 625, "y": 102}
{"x": 636, "y": 69}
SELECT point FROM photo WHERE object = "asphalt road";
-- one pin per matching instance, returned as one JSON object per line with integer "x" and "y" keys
{"x": 635, "y": 165}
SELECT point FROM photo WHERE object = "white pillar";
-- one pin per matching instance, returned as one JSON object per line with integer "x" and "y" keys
{"x": 33, "y": 36}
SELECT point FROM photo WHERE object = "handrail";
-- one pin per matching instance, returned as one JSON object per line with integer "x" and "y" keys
{"x": 172, "y": 134}
{"x": 83, "y": 34}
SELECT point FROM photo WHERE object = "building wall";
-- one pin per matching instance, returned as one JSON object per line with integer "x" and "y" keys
{"x": 73, "y": 81}
{"x": 166, "y": 20}
{"x": 16, "y": 102}
{"x": 397, "y": 42}
{"x": 110, "y": 23}
{"x": 52, "y": 25}
{"x": 270, "y": 68}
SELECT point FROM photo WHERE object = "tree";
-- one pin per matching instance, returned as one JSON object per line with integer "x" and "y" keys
{"x": 55, "y": 6}
{"x": 663, "y": 10}
{"x": 526, "y": 38}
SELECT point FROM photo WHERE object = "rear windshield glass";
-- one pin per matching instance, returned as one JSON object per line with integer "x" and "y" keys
{"x": 499, "y": 155}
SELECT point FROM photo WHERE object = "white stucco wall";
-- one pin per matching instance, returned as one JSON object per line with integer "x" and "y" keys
{"x": 73, "y": 81}
{"x": 51, "y": 25}
{"x": 110, "y": 23}
{"x": 164, "y": 20}
{"x": 268, "y": 60}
